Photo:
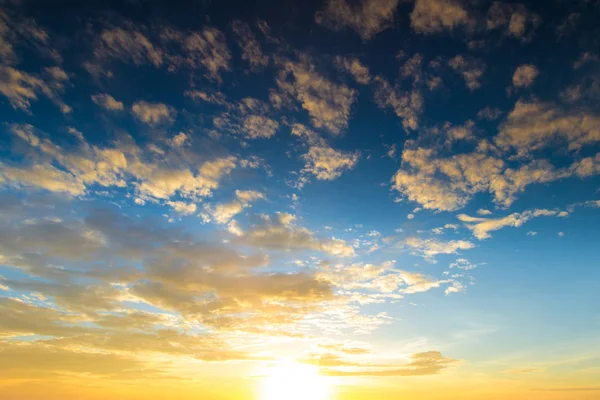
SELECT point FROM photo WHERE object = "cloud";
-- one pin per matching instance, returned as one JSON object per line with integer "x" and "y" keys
{"x": 435, "y": 16}
{"x": 206, "y": 49}
{"x": 327, "y": 103}
{"x": 258, "y": 126}
{"x": 123, "y": 164}
{"x": 21, "y": 88}
{"x": 354, "y": 67}
{"x": 326, "y": 163}
{"x": 107, "y": 102}
{"x": 470, "y": 68}
{"x": 426, "y": 363}
{"x": 152, "y": 113}
{"x": 489, "y": 113}
{"x": 514, "y": 19}
{"x": 251, "y": 49}
{"x": 481, "y": 227}
{"x": 525, "y": 75}
{"x": 408, "y": 105}
{"x": 224, "y": 212}
{"x": 366, "y": 17}
{"x": 129, "y": 45}
{"x": 430, "y": 248}
{"x": 533, "y": 125}
{"x": 182, "y": 207}
{"x": 278, "y": 232}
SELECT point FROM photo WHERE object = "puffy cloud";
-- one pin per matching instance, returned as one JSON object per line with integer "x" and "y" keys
{"x": 43, "y": 176}
{"x": 326, "y": 163}
{"x": 327, "y": 103}
{"x": 206, "y": 49}
{"x": 470, "y": 68}
{"x": 223, "y": 213}
{"x": 107, "y": 102}
{"x": 435, "y": 16}
{"x": 367, "y": 17}
{"x": 465, "y": 174}
{"x": 180, "y": 140}
{"x": 430, "y": 248}
{"x": 278, "y": 232}
{"x": 129, "y": 45}
{"x": 408, "y": 105}
{"x": 418, "y": 282}
{"x": 182, "y": 207}
{"x": 251, "y": 49}
{"x": 153, "y": 113}
{"x": 258, "y": 126}
{"x": 248, "y": 117}
{"x": 525, "y": 75}
{"x": 514, "y": 19}
{"x": 113, "y": 166}
{"x": 481, "y": 227}
{"x": 21, "y": 88}
{"x": 354, "y": 67}
{"x": 532, "y": 125}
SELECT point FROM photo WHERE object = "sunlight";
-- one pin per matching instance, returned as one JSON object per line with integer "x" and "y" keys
{"x": 293, "y": 381}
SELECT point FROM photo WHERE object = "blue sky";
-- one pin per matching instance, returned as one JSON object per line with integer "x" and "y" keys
{"x": 253, "y": 180}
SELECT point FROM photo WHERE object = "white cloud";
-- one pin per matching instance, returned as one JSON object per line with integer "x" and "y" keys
{"x": 182, "y": 207}
{"x": 327, "y": 103}
{"x": 224, "y": 212}
{"x": 326, "y": 163}
{"x": 481, "y": 227}
{"x": 430, "y": 248}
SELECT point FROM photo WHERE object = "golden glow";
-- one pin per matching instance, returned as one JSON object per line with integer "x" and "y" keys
{"x": 292, "y": 381}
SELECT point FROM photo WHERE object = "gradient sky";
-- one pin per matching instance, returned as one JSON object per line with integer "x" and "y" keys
{"x": 402, "y": 196}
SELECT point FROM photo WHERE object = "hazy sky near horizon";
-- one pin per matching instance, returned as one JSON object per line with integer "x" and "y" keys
{"x": 403, "y": 196}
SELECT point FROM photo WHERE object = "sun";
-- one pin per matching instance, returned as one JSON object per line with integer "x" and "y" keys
{"x": 288, "y": 380}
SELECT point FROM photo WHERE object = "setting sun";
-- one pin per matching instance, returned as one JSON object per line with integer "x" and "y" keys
{"x": 293, "y": 381}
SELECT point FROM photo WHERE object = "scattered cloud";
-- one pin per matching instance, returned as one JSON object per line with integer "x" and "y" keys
{"x": 471, "y": 69}
{"x": 525, "y": 75}
{"x": 366, "y": 17}
{"x": 251, "y": 48}
{"x": 436, "y": 16}
{"x": 107, "y": 102}
{"x": 326, "y": 163}
{"x": 327, "y": 103}
{"x": 481, "y": 227}
{"x": 430, "y": 248}
{"x": 153, "y": 113}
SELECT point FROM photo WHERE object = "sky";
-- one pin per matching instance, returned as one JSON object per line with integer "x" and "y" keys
{"x": 332, "y": 199}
